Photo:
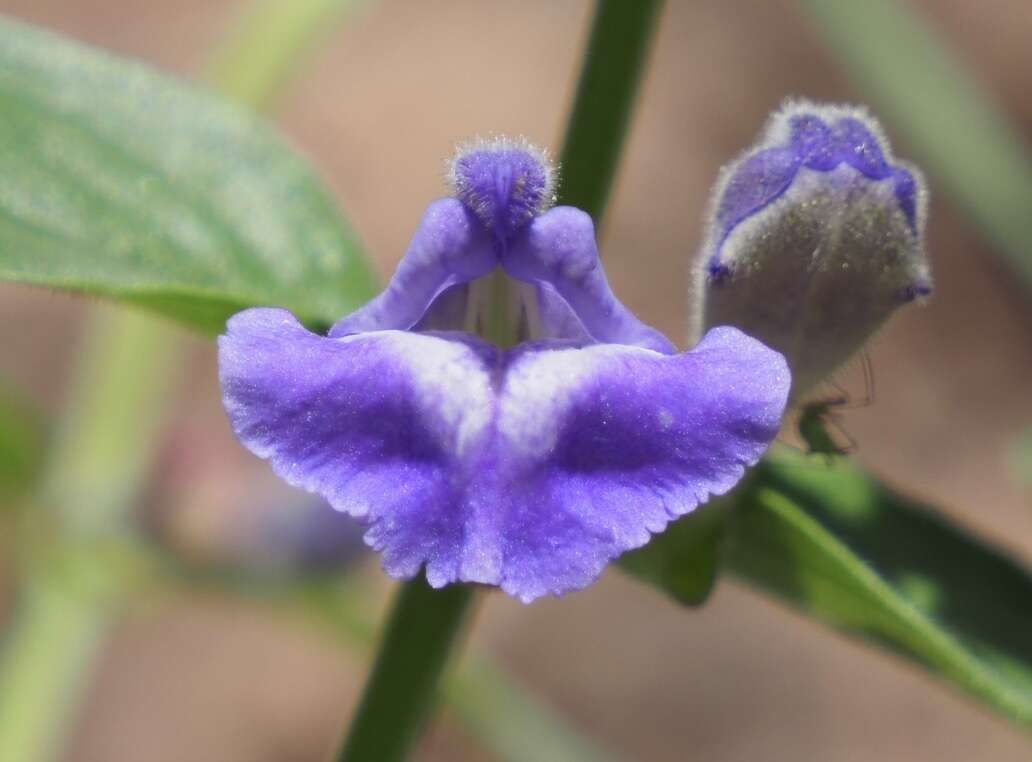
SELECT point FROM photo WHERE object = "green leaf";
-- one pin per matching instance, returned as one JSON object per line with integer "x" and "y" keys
{"x": 119, "y": 181}
{"x": 834, "y": 542}
{"x": 683, "y": 560}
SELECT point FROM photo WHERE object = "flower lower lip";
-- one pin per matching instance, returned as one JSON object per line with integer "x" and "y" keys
{"x": 532, "y": 482}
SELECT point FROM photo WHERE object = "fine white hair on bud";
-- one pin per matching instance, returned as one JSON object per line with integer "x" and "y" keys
{"x": 815, "y": 236}
{"x": 505, "y": 181}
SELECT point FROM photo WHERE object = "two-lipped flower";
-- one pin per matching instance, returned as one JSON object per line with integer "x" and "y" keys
{"x": 528, "y": 466}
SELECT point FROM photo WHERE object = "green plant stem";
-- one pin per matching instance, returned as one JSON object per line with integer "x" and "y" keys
{"x": 22, "y": 434}
{"x": 105, "y": 446}
{"x": 953, "y": 126}
{"x": 105, "y": 443}
{"x": 402, "y": 687}
{"x": 608, "y": 85}
{"x": 511, "y": 722}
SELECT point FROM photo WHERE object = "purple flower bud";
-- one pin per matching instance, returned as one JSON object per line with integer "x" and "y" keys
{"x": 815, "y": 238}
{"x": 528, "y": 467}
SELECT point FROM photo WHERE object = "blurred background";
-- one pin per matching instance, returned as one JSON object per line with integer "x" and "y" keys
{"x": 209, "y": 677}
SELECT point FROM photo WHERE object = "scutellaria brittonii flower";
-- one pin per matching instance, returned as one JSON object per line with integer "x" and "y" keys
{"x": 816, "y": 236}
{"x": 528, "y": 467}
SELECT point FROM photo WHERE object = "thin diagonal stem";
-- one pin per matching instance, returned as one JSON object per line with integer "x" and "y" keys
{"x": 606, "y": 91}
{"x": 402, "y": 686}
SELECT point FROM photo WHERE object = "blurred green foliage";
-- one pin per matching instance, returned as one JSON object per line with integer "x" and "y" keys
{"x": 684, "y": 560}
{"x": 22, "y": 438}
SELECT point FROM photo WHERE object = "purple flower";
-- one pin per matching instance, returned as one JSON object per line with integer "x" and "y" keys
{"x": 528, "y": 467}
{"x": 816, "y": 236}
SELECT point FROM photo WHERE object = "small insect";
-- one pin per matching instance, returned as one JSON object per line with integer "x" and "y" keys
{"x": 817, "y": 419}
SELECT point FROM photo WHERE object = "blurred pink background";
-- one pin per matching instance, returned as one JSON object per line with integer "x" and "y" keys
{"x": 376, "y": 110}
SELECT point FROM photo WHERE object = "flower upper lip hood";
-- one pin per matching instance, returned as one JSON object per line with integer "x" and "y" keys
{"x": 529, "y": 467}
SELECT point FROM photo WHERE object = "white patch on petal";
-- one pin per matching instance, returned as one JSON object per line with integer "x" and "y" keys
{"x": 540, "y": 389}
{"x": 453, "y": 388}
